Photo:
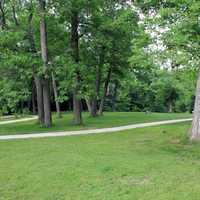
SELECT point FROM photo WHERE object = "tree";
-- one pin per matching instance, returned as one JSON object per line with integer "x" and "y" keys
{"x": 44, "y": 53}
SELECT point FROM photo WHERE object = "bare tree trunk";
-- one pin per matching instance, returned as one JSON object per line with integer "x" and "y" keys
{"x": 33, "y": 99}
{"x": 75, "y": 54}
{"x": 88, "y": 105}
{"x": 2, "y": 15}
{"x": 47, "y": 103}
{"x": 55, "y": 91}
{"x": 94, "y": 100}
{"x": 94, "y": 107}
{"x": 105, "y": 91}
{"x": 195, "y": 131}
{"x": 44, "y": 50}
{"x": 14, "y": 14}
{"x": 37, "y": 79}
{"x": 77, "y": 109}
{"x": 40, "y": 105}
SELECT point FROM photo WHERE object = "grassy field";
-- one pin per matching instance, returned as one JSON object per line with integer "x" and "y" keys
{"x": 143, "y": 164}
{"x": 108, "y": 120}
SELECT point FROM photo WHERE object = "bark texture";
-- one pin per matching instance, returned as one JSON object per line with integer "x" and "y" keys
{"x": 195, "y": 131}
{"x": 40, "y": 103}
{"x": 37, "y": 79}
{"x": 44, "y": 53}
{"x": 75, "y": 54}
{"x": 33, "y": 99}
{"x": 2, "y": 15}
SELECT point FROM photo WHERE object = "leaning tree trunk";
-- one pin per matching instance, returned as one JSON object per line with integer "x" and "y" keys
{"x": 55, "y": 91}
{"x": 46, "y": 88}
{"x": 105, "y": 91}
{"x": 75, "y": 55}
{"x": 195, "y": 131}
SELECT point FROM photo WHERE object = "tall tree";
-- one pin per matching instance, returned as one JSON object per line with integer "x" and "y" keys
{"x": 37, "y": 78}
{"x": 44, "y": 53}
{"x": 75, "y": 55}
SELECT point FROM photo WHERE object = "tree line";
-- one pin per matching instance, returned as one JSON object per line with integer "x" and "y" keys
{"x": 98, "y": 55}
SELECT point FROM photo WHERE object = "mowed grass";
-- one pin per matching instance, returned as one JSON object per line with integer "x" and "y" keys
{"x": 143, "y": 164}
{"x": 109, "y": 119}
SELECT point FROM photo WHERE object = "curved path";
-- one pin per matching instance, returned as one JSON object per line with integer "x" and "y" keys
{"x": 18, "y": 120}
{"x": 84, "y": 132}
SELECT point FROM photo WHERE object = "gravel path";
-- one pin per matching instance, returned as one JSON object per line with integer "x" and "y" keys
{"x": 94, "y": 131}
{"x": 19, "y": 120}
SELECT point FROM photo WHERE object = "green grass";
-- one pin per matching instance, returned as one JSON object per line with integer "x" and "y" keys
{"x": 108, "y": 120}
{"x": 143, "y": 164}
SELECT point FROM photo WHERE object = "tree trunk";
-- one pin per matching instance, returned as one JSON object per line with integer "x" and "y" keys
{"x": 115, "y": 96}
{"x": 47, "y": 104}
{"x": 37, "y": 79}
{"x": 88, "y": 102}
{"x": 21, "y": 106}
{"x": 44, "y": 51}
{"x": 94, "y": 107}
{"x": 105, "y": 91}
{"x": 195, "y": 131}
{"x": 14, "y": 15}
{"x": 94, "y": 100}
{"x": 77, "y": 109}
{"x": 40, "y": 105}
{"x": 75, "y": 55}
{"x": 55, "y": 91}
{"x": 2, "y": 16}
{"x": 33, "y": 99}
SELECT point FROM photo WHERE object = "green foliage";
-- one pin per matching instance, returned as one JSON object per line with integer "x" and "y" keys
{"x": 111, "y": 36}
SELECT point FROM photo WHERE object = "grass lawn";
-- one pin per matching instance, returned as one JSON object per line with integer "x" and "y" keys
{"x": 154, "y": 163}
{"x": 108, "y": 120}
